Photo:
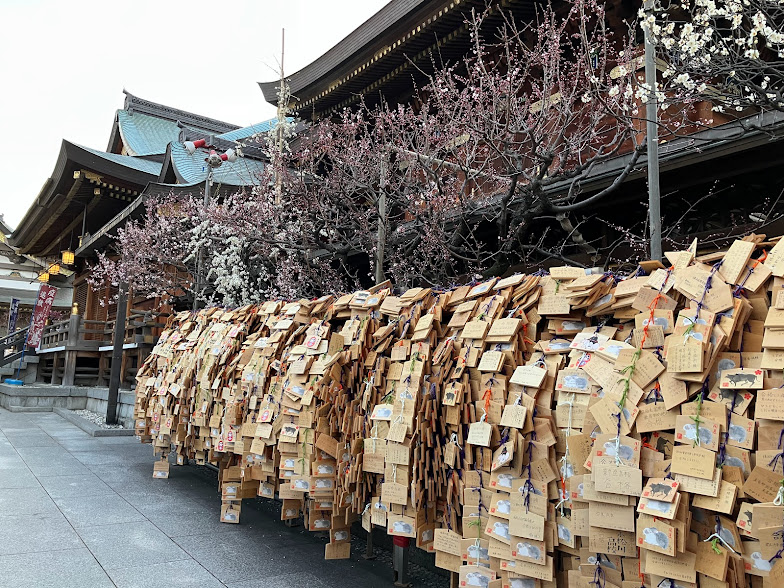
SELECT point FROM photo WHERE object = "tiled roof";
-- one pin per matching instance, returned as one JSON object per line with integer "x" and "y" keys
{"x": 193, "y": 168}
{"x": 146, "y": 135}
{"x": 245, "y": 132}
{"x": 142, "y": 165}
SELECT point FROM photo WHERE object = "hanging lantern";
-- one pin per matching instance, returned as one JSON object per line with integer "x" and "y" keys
{"x": 54, "y": 269}
{"x": 43, "y": 277}
{"x": 68, "y": 257}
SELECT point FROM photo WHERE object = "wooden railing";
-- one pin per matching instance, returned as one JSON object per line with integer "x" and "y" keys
{"x": 80, "y": 334}
{"x": 12, "y": 346}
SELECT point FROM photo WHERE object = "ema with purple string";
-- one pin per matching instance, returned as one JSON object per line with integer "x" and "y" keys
{"x": 528, "y": 487}
{"x": 773, "y": 463}
{"x": 779, "y": 501}
{"x": 755, "y": 263}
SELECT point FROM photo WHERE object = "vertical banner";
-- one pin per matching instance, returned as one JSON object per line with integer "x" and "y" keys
{"x": 43, "y": 305}
{"x": 13, "y": 314}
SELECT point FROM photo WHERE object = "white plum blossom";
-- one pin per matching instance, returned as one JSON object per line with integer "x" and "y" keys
{"x": 723, "y": 51}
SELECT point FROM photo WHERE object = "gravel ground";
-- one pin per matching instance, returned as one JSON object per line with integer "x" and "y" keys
{"x": 95, "y": 418}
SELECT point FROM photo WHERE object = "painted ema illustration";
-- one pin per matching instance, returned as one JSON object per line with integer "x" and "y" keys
{"x": 737, "y": 433}
{"x": 737, "y": 379}
{"x": 626, "y": 413}
{"x": 427, "y": 535}
{"x": 727, "y": 394}
{"x": 477, "y": 579}
{"x": 624, "y": 451}
{"x": 477, "y": 552}
{"x": 601, "y": 560}
{"x": 727, "y": 536}
{"x": 735, "y": 462}
{"x": 341, "y": 535}
{"x": 663, "y": 489}
{"x": 564, "y": 534}
{"x": 302, "y": 484}
{"x": 613, "y": 350}
{"x": 528, "y": 550}
{"x": 658, "y": 505}
{"x": 325, "y": 469}
{"x": 522, "y": 583}
{"x": 759, "y": 562}
{"x": 578, "y": 382}
{"x": 503, "y": 506}
{"x": 724, "y": 364}
{"x": 501, "y": 529}
{"x": 653, "y": 536}
{"x": 505, "y": 480}
{"x": 662, "y": 443}
{"x": 690, "y": 432}
{"x": 321, "y": 524}
{"x": 558, "y": 345}
{"x": 384, "y": 412}
{"x": 401, "y": 527}
{"x": 504, "y": 457}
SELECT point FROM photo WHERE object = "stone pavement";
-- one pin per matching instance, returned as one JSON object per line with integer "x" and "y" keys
{"x": 78, "y": 511}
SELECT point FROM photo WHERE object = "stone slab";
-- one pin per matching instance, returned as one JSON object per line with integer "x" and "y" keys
{"x": 174, "y": 574}
{"x": 130, "y": 545}
{"x": 66, "y": 568}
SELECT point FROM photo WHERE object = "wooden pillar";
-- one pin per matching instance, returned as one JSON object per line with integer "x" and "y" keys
{"x": 69, "y": 368}
{"x": 71, "y": 346}
{"x": 55, "y": 379}
{"x": 117, "y": 354}
{"x": 103, "y": 367}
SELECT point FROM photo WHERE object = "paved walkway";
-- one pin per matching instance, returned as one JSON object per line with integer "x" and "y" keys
{"x": 78, "y": 511}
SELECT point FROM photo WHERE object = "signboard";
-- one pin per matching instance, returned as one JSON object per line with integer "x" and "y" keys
{"x": 13, "y": 314}
{"x": 43, "y": 304}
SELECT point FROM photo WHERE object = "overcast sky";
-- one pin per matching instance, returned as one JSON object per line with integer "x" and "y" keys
{"x": 66, "y": 64}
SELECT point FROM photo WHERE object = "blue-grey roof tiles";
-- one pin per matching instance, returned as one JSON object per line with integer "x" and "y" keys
{"x": 192, "y": 168}
{"x": 143, "y": 165}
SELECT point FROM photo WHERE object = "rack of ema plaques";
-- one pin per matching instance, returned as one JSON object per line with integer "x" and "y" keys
{"x": 561, "y": 429}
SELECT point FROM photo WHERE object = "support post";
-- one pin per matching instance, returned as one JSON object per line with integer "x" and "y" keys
{"x": 71, "y": 344}
{"x": 400, "y": 560}
{"x": 117, "y": 353}
{"x": 200, "y": 257}
{"x": 381, "y": 237}
{"x": 652, "y": 138}
{"x": 369, "y": 552}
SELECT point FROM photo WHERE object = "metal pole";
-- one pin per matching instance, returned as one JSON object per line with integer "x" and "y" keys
{"x": 652, "y": 137}
{"x": 117, "y": 352}
{"x": 200, "y": 256}
{"x": 381, "y": 237}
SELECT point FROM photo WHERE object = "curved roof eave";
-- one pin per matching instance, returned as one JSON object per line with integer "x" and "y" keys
{"x": 140, "y": 172}
{"x": 359, "y": 39}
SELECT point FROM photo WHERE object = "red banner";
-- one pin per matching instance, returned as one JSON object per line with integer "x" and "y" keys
{"x": 43, "y": 305}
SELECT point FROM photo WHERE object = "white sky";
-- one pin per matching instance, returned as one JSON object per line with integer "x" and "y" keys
{"x": 66, "y": 64}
